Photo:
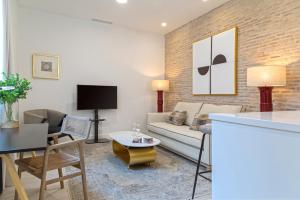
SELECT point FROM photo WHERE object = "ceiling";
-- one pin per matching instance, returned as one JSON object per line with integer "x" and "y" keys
{"x": 144, "y": 15}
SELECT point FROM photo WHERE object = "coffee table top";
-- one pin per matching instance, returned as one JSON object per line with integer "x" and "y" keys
{"x": 125, "y": 138}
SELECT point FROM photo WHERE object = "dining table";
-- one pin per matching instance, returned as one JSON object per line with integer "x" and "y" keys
{"x": 26, "y": 138}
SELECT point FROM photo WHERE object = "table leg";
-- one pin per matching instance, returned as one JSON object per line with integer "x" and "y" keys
{"x": 133, "y": 156}
{"x": 14, "y": 176}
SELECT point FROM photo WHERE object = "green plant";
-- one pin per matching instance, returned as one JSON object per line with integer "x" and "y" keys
{"x": 9, "y": 97}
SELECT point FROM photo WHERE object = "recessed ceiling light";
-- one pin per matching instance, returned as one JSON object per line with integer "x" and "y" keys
{"x": 204, "y": 0}
{"x": 164, "y": 24}
{"x": 121, "y": 1}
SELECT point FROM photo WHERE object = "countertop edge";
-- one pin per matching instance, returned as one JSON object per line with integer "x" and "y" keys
{"x": 285, "y": 126}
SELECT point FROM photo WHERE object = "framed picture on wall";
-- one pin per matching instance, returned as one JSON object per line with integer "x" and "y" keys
{"x": 45, "y": 66}
{"x": 215, "y": 63}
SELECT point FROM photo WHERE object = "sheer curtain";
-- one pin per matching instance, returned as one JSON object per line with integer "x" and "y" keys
{"x": 3, "y": 43}
{"x": 8, "y": 11}
{"x": 2, "y": 49}
{"x": 8, "y": 24}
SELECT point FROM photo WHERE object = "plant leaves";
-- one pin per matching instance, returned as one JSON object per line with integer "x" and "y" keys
{"x": 22, "y": 86}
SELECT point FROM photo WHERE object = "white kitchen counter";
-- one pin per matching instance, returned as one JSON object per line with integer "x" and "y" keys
{"x": 283, "y": 120}
{"x": 256, "y": 155}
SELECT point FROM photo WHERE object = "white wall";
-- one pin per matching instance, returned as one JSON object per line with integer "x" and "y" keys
{"x": 90, "y": 53}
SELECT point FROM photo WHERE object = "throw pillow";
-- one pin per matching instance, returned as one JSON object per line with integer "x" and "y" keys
{"x": 199, "y": 120}
{"x": 177, "y": 118}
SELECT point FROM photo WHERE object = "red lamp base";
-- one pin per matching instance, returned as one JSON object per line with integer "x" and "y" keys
{"x": 266, "y": 104}
{"x": 160, "y": 101}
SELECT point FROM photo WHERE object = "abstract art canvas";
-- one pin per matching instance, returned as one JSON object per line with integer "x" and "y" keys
{"x": 214, "y": 64}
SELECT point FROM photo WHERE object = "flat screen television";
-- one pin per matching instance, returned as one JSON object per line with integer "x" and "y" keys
{"x": 96, "y": 97}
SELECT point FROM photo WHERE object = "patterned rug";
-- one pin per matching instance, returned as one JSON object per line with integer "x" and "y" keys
{"x": 169, "y": 178}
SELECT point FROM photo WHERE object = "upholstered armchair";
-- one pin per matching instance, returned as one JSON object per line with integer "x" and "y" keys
{"x": 52, "y": 117}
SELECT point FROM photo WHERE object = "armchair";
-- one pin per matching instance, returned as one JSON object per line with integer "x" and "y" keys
{"x": 52, "y": 117}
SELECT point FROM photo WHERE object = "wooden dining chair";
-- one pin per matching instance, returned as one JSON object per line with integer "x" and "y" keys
{"x": 54, "y": 159}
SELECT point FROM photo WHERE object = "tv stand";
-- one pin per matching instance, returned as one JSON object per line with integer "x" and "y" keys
{"x": 96, "y": 139}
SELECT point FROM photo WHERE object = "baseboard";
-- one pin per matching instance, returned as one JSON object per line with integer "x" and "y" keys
{"x": 185, "y": 156}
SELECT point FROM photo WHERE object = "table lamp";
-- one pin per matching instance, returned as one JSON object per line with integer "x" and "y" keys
{"x": 160, "y": 86}
{"x": 265, "y": 78}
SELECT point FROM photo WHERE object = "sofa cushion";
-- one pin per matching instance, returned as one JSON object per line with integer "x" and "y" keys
{"x": 180, "y": 133}
{"x": 190, "y": 108}
{"x": 211, "y": 108}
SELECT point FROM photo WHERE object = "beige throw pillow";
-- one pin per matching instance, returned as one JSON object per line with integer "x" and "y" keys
{"x": 199, "y": 120}
{"x": 191, "y": 108}
{"x": 177, "y": 118}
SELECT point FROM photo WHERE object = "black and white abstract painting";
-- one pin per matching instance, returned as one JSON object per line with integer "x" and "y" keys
{"x": 214, "y": 64}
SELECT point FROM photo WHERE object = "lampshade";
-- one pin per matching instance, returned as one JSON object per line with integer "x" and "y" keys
{"x": 160, "y": 85}
{"x": 266, "y": 76}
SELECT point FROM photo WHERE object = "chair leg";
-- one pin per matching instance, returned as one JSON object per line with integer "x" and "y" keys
{"x": 43, "y": 179}
{"x": 21, "y": 156}
{"x": 60, "y": 173}
{"x": 14, "y": 176}
{"x": 198, "y": 166}
{"x": 33, "y": 154}
{"x": 19, "y": 174}
{"x": 82, "y": 168}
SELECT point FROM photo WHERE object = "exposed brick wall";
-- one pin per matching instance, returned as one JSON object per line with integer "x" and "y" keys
{"x": 268, "y": 33}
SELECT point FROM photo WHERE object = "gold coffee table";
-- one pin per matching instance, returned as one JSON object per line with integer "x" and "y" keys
{"x": 133, "y": 153}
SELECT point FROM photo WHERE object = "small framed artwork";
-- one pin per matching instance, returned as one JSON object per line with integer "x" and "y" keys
{"x": 45, "y": 66}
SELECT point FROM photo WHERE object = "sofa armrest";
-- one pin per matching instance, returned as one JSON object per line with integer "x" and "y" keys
{"x": 157, "y": 117}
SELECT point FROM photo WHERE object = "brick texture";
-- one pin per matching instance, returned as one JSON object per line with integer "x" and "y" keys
{"x": 268, "y": 34}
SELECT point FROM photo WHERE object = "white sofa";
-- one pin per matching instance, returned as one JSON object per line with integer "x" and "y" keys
{"x": 180, "y": 139}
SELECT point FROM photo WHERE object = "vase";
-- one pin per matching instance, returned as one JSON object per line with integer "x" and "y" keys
{"x": 10, "y": 117}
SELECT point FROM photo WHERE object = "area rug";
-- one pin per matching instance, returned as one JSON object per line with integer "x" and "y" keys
{"x": 169, "y": 178}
